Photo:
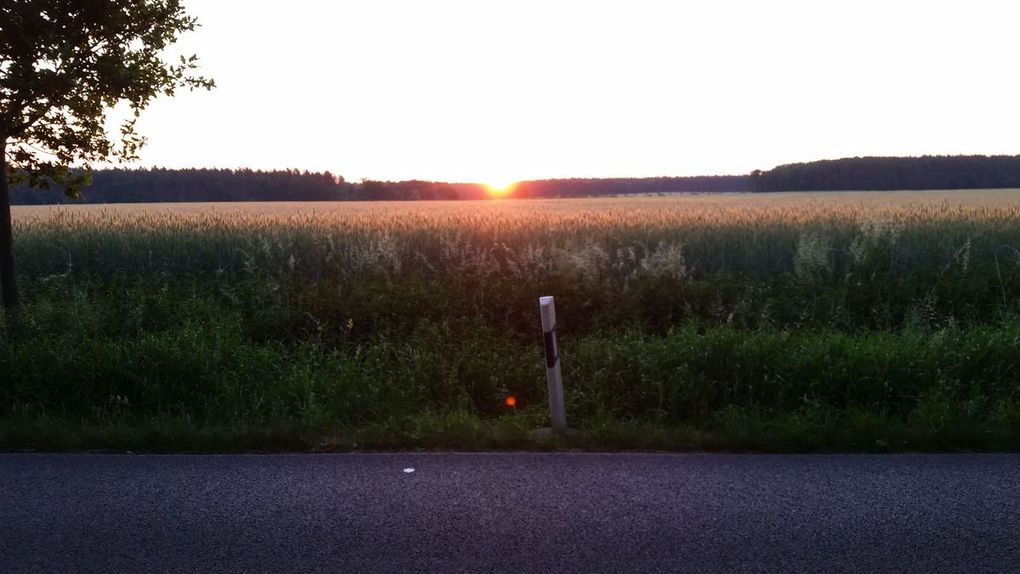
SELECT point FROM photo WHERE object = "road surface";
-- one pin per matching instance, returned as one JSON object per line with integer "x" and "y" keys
{"x": 523, "y": 512}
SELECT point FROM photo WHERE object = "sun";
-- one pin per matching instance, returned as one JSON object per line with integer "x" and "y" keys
{"x": 500, "y": 187}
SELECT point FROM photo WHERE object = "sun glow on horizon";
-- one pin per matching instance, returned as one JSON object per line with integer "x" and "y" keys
{"x": 500, "y": 187}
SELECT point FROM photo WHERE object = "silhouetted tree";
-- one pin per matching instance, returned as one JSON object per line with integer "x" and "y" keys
{"x": 63, "y": 65}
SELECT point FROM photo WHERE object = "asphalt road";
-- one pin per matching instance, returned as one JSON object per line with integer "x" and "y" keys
{"x": 510, "y": 513}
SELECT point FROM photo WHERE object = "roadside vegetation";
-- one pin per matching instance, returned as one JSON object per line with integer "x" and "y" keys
{"x": 685, "y": 323}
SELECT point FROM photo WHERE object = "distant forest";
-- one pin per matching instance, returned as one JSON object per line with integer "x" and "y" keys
{"x": 168, "y": 185}
{"x": 860, "y": 173}
{"x": 892, "y": 173}
{"x": 621, "y": 186}
{"x": 159, "y": 185}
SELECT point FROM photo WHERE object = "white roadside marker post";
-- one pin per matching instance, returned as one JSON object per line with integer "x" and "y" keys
{"x": 557, "y": 410}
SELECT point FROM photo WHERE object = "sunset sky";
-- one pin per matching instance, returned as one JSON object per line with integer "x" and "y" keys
{"x": 482, "y": 91}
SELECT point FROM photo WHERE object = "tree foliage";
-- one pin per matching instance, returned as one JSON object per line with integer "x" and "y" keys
{"x": 65, "y": 63}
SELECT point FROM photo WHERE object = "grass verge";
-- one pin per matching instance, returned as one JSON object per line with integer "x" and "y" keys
{"x": 206, "y": 387}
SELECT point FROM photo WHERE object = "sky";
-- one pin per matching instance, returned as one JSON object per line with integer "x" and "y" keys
{"x": 493, "y": 91}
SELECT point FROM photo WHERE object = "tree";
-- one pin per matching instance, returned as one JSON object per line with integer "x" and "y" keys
{"x": 64, "y": 64}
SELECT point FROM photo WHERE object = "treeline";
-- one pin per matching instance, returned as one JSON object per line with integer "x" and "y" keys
{"x": 541, "y": 188}
{"x": 372, "y": 190}
{"x": 170, "y": 185}
{"x": 892, "y": 173}
{"x": 858, "y": 173}
{"x": 635, "y": 185}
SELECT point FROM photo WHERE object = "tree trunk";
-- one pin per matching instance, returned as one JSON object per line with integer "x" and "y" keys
{"x": 8, "y": 282}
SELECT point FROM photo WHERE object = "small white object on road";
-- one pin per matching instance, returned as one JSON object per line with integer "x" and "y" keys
{"x": 408, "y": 470}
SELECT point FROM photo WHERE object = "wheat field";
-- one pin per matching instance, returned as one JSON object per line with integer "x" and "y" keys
{"x": 777, "y": 321}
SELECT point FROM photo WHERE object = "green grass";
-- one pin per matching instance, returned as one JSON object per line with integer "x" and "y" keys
{"x": 740, "y": 327}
